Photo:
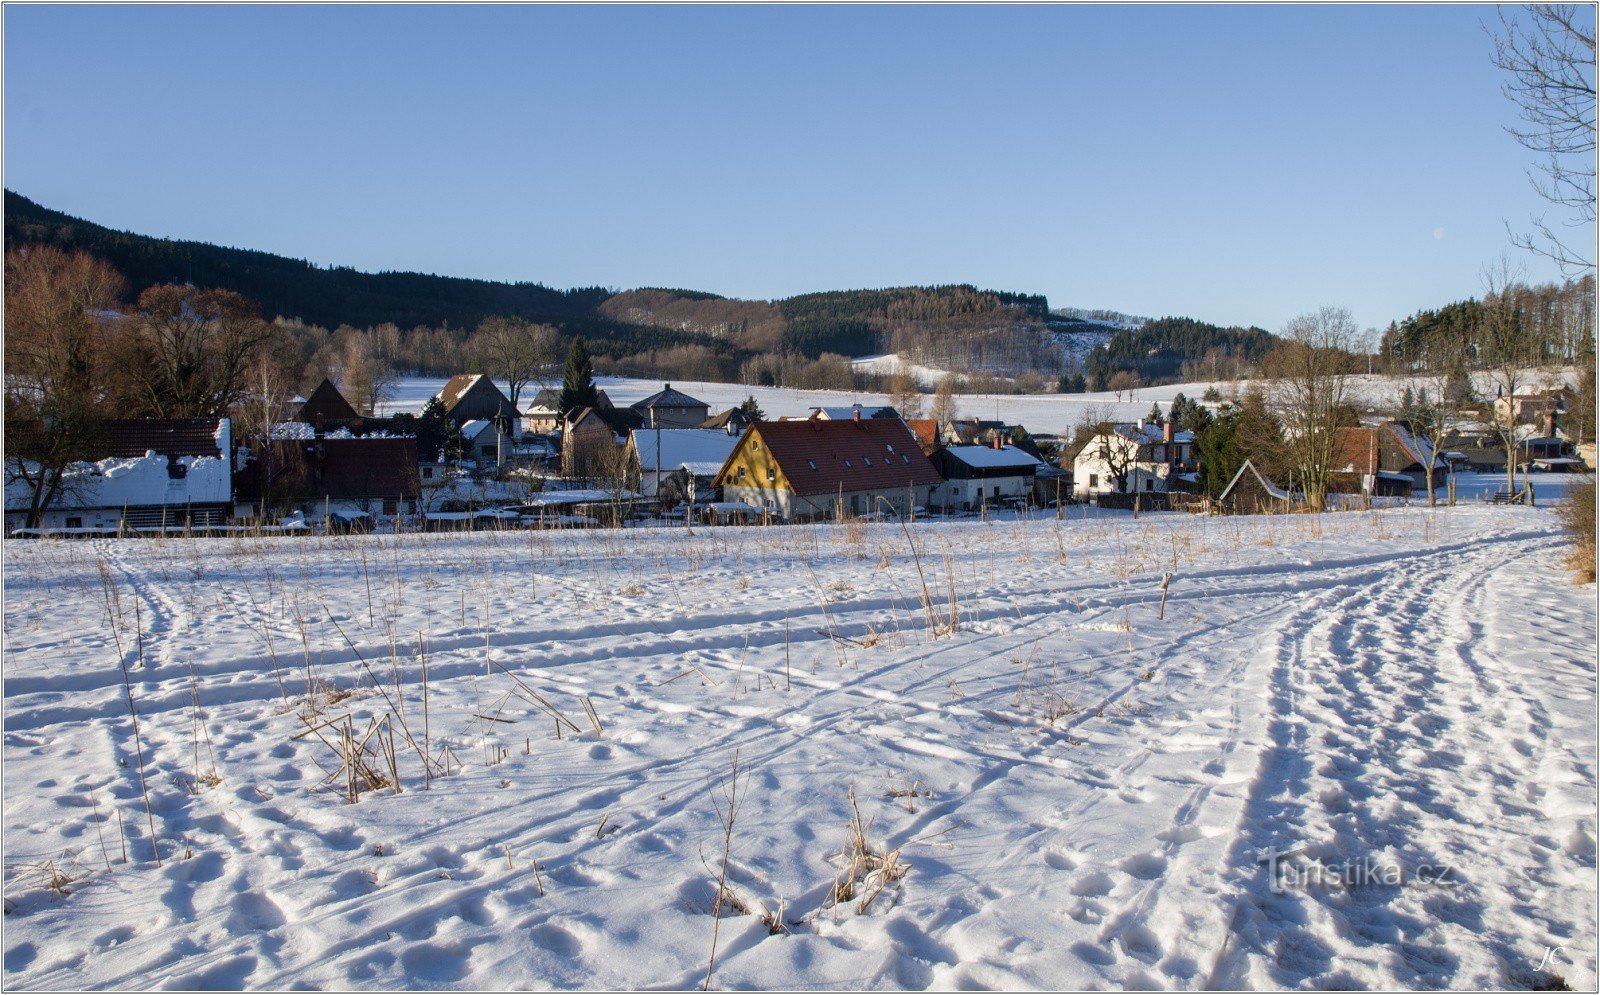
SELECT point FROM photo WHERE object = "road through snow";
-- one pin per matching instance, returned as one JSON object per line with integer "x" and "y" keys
{"x": 1082, "y": 779}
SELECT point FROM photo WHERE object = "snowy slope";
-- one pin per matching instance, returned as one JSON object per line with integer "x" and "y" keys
{"x": 1080, "y": 781}
{"x": 1047, "y": 414}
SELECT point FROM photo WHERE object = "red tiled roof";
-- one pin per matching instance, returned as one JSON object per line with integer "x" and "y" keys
{"x": 926, "y": 430}
{"x": 870, "y": 454}
{"x": 132, "y": 437}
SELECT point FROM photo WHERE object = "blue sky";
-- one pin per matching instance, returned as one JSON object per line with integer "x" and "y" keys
{"x": 1235, "y": 164}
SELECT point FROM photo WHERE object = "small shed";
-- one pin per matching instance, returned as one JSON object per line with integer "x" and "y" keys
{"x": 1249, "y": 493}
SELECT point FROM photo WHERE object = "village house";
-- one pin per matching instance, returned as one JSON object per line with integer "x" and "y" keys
{"x": 473, "y": 396}
{"x": 338, "y": 479}
{"x": 818, "y": 468}
{"x": 732, "y": 421}
{"x": 982, "y": 476}
{"x": 154, "y": 474}
{"x": 1135, "y": 457}
{"x": 1535, "y": 406}
{"x": 484, "y": 441}
{"x": 1384, "y": 460}
{"x": 593, "y": 441}
{"x": 543, "y": 415}
{"x": 927, "y": 432}
{"x": 326, "y": 408}
{"x": 668, "y": 408}
{"x": 676, "y": 465}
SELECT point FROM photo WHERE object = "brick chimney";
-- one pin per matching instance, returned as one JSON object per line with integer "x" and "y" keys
{"x": 997, "y": 444}
{"x": 1166, "y": 431}
{"x": 855, "y": 414}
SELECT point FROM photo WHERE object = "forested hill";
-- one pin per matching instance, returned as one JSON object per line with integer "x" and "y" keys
{"x": 1168, "y": 349}
{"x": 322, "y": 296}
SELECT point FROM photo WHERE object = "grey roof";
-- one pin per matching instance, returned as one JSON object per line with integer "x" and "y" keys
{"x": 668, "y": 398}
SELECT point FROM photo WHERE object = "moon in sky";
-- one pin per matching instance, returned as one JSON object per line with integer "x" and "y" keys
{"x": 1438, "y": 233}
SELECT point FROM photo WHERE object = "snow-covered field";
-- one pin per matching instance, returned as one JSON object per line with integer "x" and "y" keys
{"x": 1085, "y": 787}
{"x": 1041, "y": 414}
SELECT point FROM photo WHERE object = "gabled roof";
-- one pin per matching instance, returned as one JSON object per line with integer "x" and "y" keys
{"x": 987, "y": 457}
{"x": 1277, "y": 492}
{"x": 926, "y": 430}
{"x": 666, "y": 397}
{"x": 819, "y": 456}
{"x": 462, "y": 384}
{"x": 130, "y": 438}
{"x": 326, "y": 405}
{"x": 470, "y": 430}
{"x": 679, "y": 446}
{"x": 733, "y": 416}
{"x": 545, "y": 400}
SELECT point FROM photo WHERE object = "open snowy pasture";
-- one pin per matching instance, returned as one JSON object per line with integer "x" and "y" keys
{"x": 1344, "y": 750}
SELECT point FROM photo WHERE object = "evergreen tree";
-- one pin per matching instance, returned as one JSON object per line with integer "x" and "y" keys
{"x": 752, "y": 409}
{"x": 577, "y": 386}
{"x": 1155, "y": 414}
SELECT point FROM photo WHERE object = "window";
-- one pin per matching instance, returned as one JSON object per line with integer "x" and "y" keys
{"x": 867, "y": 460}
{"x": 847, "y": 464}
{"x": 1149, "y": 484}
{"x": 772, "y": 476}
{"x": 888, "y": 449}
{"x": 741, "y": 473}
{"x": 1094, "y": 480}
{"x": 427, "y": 473}
{"x": 811, "y": 463}
{"x": 905, "y": 459}
{"x": 755, "y": 445}
{"x": 74, "y": 523}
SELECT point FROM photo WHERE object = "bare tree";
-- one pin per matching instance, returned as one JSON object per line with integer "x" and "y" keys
{"x": 905, "y": 395}
{"x": 944, "y": 401}
{"x": 517, "y": 352}
{"x": 1309, "y": 386}
{"x": 1547, "y": 52}
{"x": 1440, "y": 400}
{"x": 1505, "y": 351}
{"x": 1123, "y": 383}
{"x": 188, "y": 351}
{"x": 1120, "y": 454}
{"x": 366, "y": 375}
{"x": 56, "y": 309}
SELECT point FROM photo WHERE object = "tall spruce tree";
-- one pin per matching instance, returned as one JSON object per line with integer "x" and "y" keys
{"x": 577, "y": 386}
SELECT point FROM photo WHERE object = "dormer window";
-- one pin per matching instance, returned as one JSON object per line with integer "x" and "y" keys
{"x": 811, "y": 463}
{"x": 847, "y": 464}
{"x": 888, "y": 449}
{"x": 906, "y": 458}
{"x": 867, "y": 460}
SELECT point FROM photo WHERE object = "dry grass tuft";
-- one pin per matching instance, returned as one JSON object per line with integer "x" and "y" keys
{"x": 1577, "y": 513}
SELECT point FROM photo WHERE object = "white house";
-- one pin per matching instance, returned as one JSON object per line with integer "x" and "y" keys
{"x": 975, "y": 476}
{"x": 160, "y": 473}
{"x": 1133, "y": 457}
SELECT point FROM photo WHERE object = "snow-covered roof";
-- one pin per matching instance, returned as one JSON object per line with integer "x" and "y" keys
{"x": 143, "y": 482}
{"x": 678, "y": 446}
{"x": 553, "y": 499}
{"x": 987, "y": 457}
{"x": 703, "y": 468}
{"x": 1150, "y": 433}
{"x": 470, "y": 430}
{"x": 1420, "y": 449}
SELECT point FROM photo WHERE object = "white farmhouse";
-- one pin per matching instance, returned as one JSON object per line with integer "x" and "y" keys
{"x": 1133, "y": 457}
